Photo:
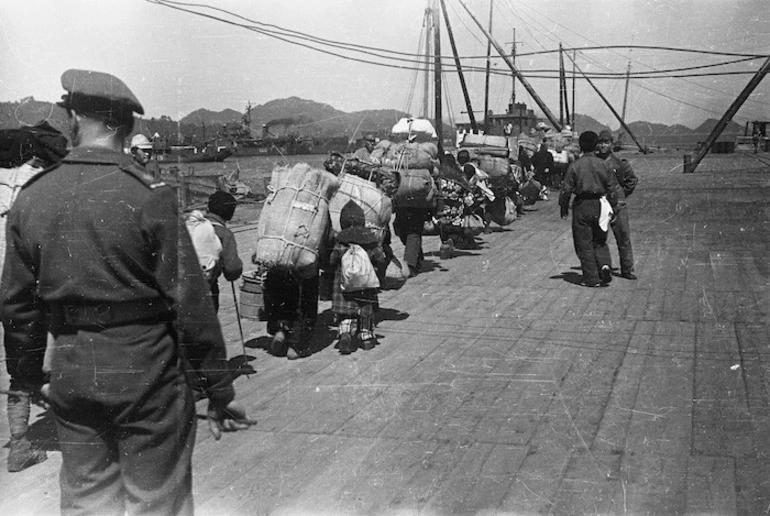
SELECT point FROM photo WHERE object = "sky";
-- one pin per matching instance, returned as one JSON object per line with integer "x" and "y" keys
{"x": 176, "y": 62}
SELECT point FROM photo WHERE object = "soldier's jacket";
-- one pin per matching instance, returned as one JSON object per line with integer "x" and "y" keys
{"x": 588, "y": 176}
{"x": 94, "y": 231}
{"x": 624, "y": 174}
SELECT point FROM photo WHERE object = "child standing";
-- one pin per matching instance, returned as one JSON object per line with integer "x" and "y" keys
{"x": 355, "y": 309}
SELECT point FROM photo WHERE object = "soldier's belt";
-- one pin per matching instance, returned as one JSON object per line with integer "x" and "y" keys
{"x": 103, "y": 315}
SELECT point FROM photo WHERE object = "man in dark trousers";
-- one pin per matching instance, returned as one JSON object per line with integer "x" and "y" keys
{"x": 591, "y": 181}
{"x": 221, "y": 207}
{"x": 98, "y": 256}
{"x": 627, "y": 181}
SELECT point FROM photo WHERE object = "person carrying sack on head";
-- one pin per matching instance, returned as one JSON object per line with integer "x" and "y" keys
{"x": 357, "y": 255}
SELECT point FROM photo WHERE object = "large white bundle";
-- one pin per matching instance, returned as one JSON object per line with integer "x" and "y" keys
{"x": 411, "y": 126}
{"x": 483, "y": 140}
{"x": 295, "y": 218}
{"x": 377, "y": 207}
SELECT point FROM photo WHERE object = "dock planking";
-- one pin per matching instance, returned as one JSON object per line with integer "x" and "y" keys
{"x": 502, "y": 387}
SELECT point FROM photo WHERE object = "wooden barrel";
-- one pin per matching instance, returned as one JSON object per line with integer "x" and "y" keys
{"x": 252, "y": 298}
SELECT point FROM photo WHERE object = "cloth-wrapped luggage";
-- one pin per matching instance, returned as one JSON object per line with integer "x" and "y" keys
{"x": 295, "y": 218}
{"x": 406, "y": 155}
{"x": 494, "y": 166}
{"x": 416, "y": 189}
{"x": 377, "y": 207}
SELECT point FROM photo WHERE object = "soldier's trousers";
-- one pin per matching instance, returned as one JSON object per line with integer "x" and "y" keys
{"x": 589, "y": 239}
{"x": 622, "y": 231}
{"x": 125, "y": 420}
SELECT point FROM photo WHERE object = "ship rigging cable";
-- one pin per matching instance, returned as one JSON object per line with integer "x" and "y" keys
{"x": 416, "y": 60}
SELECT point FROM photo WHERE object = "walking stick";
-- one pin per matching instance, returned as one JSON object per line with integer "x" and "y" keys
{"x": 240, "y": 325}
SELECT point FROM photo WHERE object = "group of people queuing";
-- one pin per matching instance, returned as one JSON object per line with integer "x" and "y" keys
{"x": 115, "y": 329}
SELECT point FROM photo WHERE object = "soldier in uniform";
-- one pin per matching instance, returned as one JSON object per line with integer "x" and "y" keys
{"x": 589, "y": 179}
{"x": 627, "y": 181}
{"x": 99, "y": 256}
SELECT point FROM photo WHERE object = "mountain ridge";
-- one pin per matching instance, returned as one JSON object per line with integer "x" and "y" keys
{"x": 311, "y": 119}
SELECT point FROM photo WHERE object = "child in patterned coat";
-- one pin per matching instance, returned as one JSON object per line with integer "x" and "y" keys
{"x": 355, "y": 310}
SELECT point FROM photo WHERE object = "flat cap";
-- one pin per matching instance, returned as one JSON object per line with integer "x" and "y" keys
{"x": 97, "y": 92}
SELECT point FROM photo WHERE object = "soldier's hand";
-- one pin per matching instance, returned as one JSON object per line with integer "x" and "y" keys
{"x": 41, "y": 398}
{"x": 230, "y": 418}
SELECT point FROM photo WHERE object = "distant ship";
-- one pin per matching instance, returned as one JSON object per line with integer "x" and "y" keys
{"x": 240, "y": 140}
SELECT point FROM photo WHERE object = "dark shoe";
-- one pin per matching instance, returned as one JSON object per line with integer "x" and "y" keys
{"x": 413, "y": 271}
{"x": 346, "y": 344}
{"x": 368, "y": 344}
{"x": 606, "y": 274}
{"x": 629, "y": 275}
{"x": 592, "y": 284}
{"x": 278, "y": 345}
{"x": 22, "y": 455}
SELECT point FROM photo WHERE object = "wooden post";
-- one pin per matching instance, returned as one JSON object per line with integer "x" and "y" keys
{"x": 437, "y": 82}
{"x": 734, "y": 107}
{"x": 486, "y": 79}
{"x": 554, "y": 121}
{"x": 464, "y": 87}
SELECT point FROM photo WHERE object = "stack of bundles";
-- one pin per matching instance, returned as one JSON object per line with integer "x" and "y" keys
{"x": 295, "y": 219}
{"x": 573, "y": 148}
{"x": 482, "y": 144}
{"x": 386, "y": 179}
{"x": 526, "y": 142}
{"x": 406, "y": 155}
{"x": 377, "y": 207}
{"x": 494, "y": 166}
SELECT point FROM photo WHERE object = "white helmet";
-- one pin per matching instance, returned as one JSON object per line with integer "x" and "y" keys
{"x": 140, "y": 140}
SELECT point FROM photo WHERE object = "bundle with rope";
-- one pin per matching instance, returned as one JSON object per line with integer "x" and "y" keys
{"x": 385, "y": 178}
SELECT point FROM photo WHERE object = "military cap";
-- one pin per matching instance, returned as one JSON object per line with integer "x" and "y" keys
{"x": 605, "y": 136}
{"x": 97, "y": 92}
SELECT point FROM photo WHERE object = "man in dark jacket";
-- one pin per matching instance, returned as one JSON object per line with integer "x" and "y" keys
{"x": 98, "y": 256}
{"x": 590, "y": 180}
{"x": 221, "y": 207}
{"x": 627, "y": 181}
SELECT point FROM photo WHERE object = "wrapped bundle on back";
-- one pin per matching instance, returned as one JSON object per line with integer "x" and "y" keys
{"x": 377, "y": 207}
{"x": 295, "y": 218}
{"x": 410, "y": 155}
{"x": 416, "y": 189}
{"x": 494, "y": 166}
{"x": 385, "y": 178}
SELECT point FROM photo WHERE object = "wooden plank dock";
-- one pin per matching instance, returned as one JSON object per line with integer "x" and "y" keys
{"x": 501, "y": 386}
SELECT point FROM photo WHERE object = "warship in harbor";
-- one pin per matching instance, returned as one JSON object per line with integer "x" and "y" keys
{"x": 240, "y": 138}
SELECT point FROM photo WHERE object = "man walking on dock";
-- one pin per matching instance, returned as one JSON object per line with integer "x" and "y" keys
{"x": 99, "y": 256}
{"x": 589, "y": 178}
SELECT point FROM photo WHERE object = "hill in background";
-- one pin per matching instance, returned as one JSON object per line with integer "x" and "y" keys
{"x": 321, "y": 121}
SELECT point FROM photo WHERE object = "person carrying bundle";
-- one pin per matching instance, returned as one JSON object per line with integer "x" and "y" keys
{"x": 292, "y": 230}
{"x": 357, "y": 254}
